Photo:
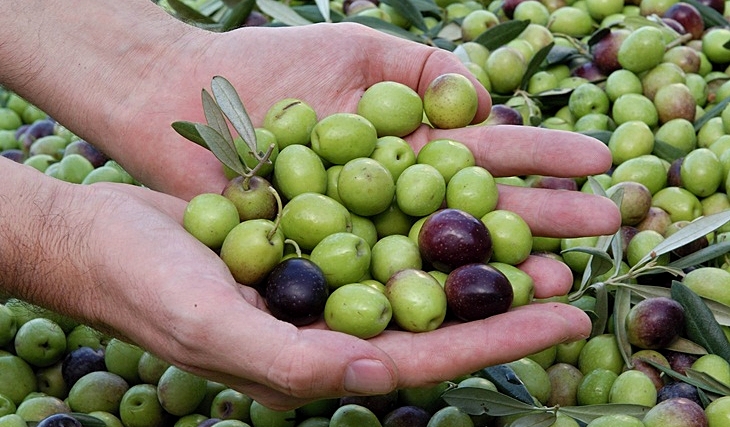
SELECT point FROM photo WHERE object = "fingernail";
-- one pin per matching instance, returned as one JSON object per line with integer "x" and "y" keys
{"x": 368, "y": 376}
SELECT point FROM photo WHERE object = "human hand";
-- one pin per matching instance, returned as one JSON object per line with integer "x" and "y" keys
{"x": 116, "y": 257}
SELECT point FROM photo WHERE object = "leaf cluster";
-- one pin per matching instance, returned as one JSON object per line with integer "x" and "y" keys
{"x": 222, "y": 107}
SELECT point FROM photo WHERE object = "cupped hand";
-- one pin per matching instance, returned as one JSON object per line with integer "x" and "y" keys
{"x": 158, "y": 287}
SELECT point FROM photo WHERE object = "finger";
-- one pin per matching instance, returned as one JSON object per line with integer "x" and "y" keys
{"x": 561, "y": 213}
{"x": 170, "y": 205}
{"x": 525, "y": 150}
{"x": 551, "y": 277}
{"x": 451, "y": 351}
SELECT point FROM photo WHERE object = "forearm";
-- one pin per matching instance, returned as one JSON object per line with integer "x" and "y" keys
{"x": 42, "y": 238}
{"x": 95, "y": 66}
{"x": 56, "y": 54}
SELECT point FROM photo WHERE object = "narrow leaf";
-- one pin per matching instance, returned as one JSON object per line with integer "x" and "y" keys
{"x": 281, "y": 12}
{"x": 705, "y": 254}
{"x": 601, "y": 310}
{"x": 236, "y": 16}
{"x": 700, "y": 324}
{"x": 683, "y": 345}
{"x": 232, "y": 106}
{"x": 666, "y": 151}
{"x": 409, "y": 11}
{"x": 588, "y": 413}
{"x": 188, "y": 131}
{"x": 709, "y": 380}
{"x": 507, "y": 382}
{"x": 215, "y": 118}
{"x": 692, "y": 231}
{"x": 386, "y": 27}
{"x": 187, "y": 13}
{"x": 712, "y": 112}
{"x": 324, "y": 9}
{"x": 621, "y": 308}
{"x": 695, "y": 381}
{"x": 477, "y": 401}
{"x": 710, "y": 16}
{"x": 602, "y": 135}
{"x": 535, "y": 64}
{"x": 218, "y": 145}
{"x": 501, "y": 34}
{"x": 540, "y": 419}
{"x": 88, "y": 420}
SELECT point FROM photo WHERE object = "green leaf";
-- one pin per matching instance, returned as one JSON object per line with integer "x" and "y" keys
{"x": 501, "y": 34}
{"x": 219, "y": 146}
{"x": 601, "y": 309}
{"x": 409, "y": 11}
{"x": 535, "y": 64}
{"x": 666, "y": 151}
{"x": 683, "y": 345}
{"x": 602, "y": 135}
{"x": 588, "y": 413}
{"x": 708, "y": 380}
{"x": 230, "y": 104}
{"x": 705, "y": 254}
{"x": 236, "y": 16}
{"x": 553, "y": 98}
{"x": 507, "y": 382}
{"x": 710, "y": 16}
{"x": 281, "y": 12}
{"x": 188, "y": 131}
{"x": 700, "y": 324}
{"x": 695, "y": 380}
{"x": 691, "y": 232}
{"x": 477, "y": 401}
{"x": 712, "y": 112}
{"x": 215, "y": 118}
{"x": 540, "y": 419}
{"x": 621, "y": 308}
{"x": 386, "y": 27}
{"x": 324, "y": 9}
{"x": 188, "y": 14}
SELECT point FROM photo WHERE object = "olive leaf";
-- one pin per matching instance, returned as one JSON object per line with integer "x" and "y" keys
{"x": 602, "y": 135}
{"x": 710, "y": 16}
{"x": 230, "y": 104}
{"x": 539, "y": 419}
{"x": 281, "y": 12}
{"x": 621, "y": 308}
{"x": 588, "y": 413}
{"x": 235, "y": 17}
{"x": 409, "y": 11}
{"x": 386, "y": 27}
{"x": 700, "y": 323}
{"x": 477, "y": 401}
{"x": 324, "y": 9}
{"x": 687, "y": 234}
{"x": 695, "y": 380}
{"x": 535, "y": 64}
{"x": 508, "y": 383}
{"x": 501, "y": 34}
{"x": 601, "y": 309}
{"x": 709, "y": 114}
{"x": 226, "y": 153}
{"x": 667, "y": 151}
{"x": 720, "y": 311}
{"x": 215, "y": 118}
{"x": 188, "y": 14}
{"x": 709, "y": 380}
{"x": 187, "y": 130}
{"x": 683, "y": 345}
{"x": 705, "y": 254}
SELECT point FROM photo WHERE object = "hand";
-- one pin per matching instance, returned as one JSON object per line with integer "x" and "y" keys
{"x": 135, "y": 260}
{"x": 116, "y": 257}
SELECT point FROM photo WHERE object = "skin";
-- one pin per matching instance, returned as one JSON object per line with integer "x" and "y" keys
{"x": 117, "y": 257}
